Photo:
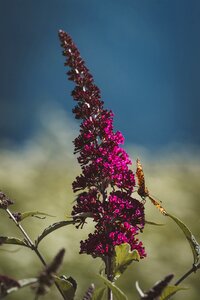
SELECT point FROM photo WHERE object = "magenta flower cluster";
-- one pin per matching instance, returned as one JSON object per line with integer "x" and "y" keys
{"x": 106, "y": 182}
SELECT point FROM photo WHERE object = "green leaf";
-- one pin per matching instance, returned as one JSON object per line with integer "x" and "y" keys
{"x": 169, "y": 291}
{"x": 10, "y": 251}
{"x": 119, "y": 295}
{"x": 67, "y": 285}
{"x": 190, "y": 237}
{"x": 36, "y": 214}
{"x": 123, "y": 258}
{"x": 12, "y": 240}
{"x": 52, "y": 228}
{"x": 153, "y": 223}
{"x": 99, "y": 293}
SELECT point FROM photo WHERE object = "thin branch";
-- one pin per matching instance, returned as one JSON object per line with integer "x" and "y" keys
{"x": 27, "y": 238}
{"x": 31, "y": 245}
{"x": 192, "y": 270}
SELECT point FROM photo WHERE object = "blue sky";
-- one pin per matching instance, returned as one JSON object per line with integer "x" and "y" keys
{"x": 144, "y": 56}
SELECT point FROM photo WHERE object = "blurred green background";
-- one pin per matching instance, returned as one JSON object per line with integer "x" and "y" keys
{"x": 39, "y": 177}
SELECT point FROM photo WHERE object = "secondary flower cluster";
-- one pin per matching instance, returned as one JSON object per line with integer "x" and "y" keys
{"x": 4, "y": 201}
{"x": 105, "y": 166}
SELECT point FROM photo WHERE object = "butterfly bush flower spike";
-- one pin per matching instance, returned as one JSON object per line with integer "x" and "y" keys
{"x": 106, "y": 182}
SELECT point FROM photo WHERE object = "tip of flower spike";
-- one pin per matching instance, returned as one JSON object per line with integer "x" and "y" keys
{"x": 61, "y": 33}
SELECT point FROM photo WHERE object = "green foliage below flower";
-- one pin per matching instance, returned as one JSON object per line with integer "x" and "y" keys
{"x": 123, "y": 258}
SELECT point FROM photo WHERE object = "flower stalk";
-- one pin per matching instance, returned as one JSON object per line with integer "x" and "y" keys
{"x": 110, "y": 275}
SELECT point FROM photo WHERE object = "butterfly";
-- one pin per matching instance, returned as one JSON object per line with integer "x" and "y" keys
{"x": 143, "y": 190}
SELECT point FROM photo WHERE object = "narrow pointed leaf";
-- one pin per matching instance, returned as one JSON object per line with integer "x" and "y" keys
{"x": 170, "y": 290}
{"x": 67, "y": 285}
{"x": 123, "y": 258}
{"x": 139, "y": 290}
{"x": 12, "y": 240}
{"x": 119, "y": 295}
{"x": 27, "y": 281}
{"x": 36, "y": 214}
{"x": 156, "y": 291}
{"x": 195, "y": 247}
{"x": 9, "y": 285}
{"x": 99, "y": 293}
{"x": 52, "y": 228}
{"x": 153, "y": 223}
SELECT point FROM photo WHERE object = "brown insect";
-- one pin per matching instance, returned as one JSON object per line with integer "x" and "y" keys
{"x": 143, "y": 190}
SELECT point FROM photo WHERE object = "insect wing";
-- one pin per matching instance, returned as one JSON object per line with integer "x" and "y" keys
{"x": 142, "y": 190}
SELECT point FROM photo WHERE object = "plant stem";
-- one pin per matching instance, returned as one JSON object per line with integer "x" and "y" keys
{"x": 31, "y": 245}
{"x": 27, "y": 238}
{"x": 109, "y": 274}
{"x": 110, "y": 294}
{"x": 36, "y": 297}
{"x": 192, "y": 270}
{"x": 108, "y": 259}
